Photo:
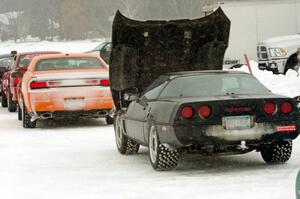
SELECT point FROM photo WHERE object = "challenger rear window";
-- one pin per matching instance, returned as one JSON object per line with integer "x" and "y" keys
{"x": 68, "y": 63}
{"x": 213, "y": 85}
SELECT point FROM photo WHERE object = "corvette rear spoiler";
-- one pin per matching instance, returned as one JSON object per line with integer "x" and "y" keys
{"x": 143, "y": 50}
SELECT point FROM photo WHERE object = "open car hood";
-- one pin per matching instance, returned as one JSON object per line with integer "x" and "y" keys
{"x": 143, "y": 50}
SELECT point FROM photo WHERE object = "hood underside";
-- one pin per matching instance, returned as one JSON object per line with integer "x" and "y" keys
{"x": 141, "y": 51}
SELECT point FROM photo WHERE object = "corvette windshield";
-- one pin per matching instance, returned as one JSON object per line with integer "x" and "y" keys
{"x": 213, "y": 85}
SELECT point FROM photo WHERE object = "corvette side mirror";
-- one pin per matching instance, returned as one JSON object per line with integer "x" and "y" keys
{"x": 131, "y": 96}
{"x": 15, "y": 74}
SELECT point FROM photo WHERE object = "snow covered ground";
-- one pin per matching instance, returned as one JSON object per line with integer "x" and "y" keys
{"x": 79, "y": 159}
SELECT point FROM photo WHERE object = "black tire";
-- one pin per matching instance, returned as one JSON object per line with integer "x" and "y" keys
{"x": 291, "y": 63}
{"x": 277, "y": 152}
{"x": 3, "y": 99}
{"x": 19, "y": 113}
{"x": 124, "y": 144}
{"x": 109, "y": 120}
{"x": 161, "y": 157}
{"x": 12, "y": 106}
{"x": 27, "y": 123}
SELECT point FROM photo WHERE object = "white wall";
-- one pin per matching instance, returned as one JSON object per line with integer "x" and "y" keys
{"x": 254, "y": 21}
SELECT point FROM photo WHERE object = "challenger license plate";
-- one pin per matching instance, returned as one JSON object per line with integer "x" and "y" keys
{"x": 74, "y": 103}
{"x": 237, "y": 122}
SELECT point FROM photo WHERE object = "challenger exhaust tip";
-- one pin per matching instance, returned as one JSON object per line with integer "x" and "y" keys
{"x": 46, "y": 116}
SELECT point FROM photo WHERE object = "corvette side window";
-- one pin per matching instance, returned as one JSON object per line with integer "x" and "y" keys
{"x": 155, "y": 88}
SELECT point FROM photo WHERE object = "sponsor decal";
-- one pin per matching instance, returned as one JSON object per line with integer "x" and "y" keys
{"x": 286, "y": 128}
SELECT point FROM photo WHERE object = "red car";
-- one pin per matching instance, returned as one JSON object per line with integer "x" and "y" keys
{"x": 9, "y": 84}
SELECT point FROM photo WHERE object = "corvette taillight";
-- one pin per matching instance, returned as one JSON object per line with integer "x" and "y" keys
{"x": 38, "y": 85}
{"x": 286, "y": 107}
{"x": 270, "y": 108}
{"x": 187, "y": 112}
{"x": 104, "y": 82}
{"x": 204, "y": 111}
{"x": 16, "y": 81}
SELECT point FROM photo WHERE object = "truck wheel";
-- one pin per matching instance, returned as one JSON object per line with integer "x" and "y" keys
{"x": 109, "y": 120}
{"x": 161, "y": 157}
{"x": 277, "y": 152}
{"x": 291, "y": 63}
{"x": 27, "y": 123}
{"x": 3, "y": 99}
{"x": 124, "y": 144}
{"x": 19, "y": 113}
{"x": 12, "y": 106}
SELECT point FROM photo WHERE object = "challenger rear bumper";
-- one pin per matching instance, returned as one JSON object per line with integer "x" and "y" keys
{"x": 200, "y": 135}
{"x": 72, "y": 114}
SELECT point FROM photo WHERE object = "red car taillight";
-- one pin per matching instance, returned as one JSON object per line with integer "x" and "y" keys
{"x": 38, "y": 85}
{"x": 286, "y": 107}
{"x": 16, "y": 81}
{"x": 104, "y": 82}
{"x": 204, "y": 111}
{"x": 270, "y": 108}
{"x": 187, "y": 112}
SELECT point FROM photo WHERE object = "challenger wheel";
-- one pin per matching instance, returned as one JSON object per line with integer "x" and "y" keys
{"x": 161, "y": 157}
{"x": 12, "y": 106}
{"x": 3, "y": 99}
{"x": 124, "y": 144}
{"x": 109, "y": 120}
{"x": 277, "y": 152}
{"x": 19, "y": 113}
{"x": 27, "y": 123}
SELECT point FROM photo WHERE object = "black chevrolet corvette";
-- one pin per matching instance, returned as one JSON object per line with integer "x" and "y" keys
{"x": 166, "y": 98}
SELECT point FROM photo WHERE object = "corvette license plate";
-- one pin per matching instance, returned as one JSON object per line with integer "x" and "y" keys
{"x": 236, "y": 122}
{"x": 74, "y": 103}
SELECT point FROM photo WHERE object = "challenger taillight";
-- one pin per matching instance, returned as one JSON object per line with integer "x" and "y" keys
{"x": 38, "y": 84}
{"x": 270, "y": 108}
{"x": 187, "y": 112}
{"x": 286, "y": 107}
{"x": 204, "y": 111}
{"x": 104, "y": 82}
{"x": 16, "y": 81}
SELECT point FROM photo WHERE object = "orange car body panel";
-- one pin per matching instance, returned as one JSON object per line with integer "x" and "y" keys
{"x": 53, "y": 99}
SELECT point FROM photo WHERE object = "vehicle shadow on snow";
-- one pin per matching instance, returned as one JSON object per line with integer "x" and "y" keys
{"x": 70, "y": 123}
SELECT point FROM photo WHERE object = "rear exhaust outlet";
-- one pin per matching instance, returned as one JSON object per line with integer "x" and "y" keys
{"x": 46, "y": 116}
{"x": 102, "y": 113}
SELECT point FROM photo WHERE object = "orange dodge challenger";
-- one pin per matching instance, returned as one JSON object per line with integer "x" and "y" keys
{"x": 64, "y": 85}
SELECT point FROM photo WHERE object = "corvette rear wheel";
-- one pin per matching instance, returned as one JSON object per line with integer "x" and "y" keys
{"x": 12, "y": 106}
{"x": 3, "y": 99}
{"x": 161, "y": 157}
{"x": 124, "y": 144}
{"x": 277, "y": 152}
{"x": 27, "y": 123}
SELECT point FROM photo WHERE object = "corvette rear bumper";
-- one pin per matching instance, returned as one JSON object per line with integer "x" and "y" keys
{"x": 200, "y": 135}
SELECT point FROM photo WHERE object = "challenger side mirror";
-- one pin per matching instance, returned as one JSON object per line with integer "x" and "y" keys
{"x": 15, "y": 74}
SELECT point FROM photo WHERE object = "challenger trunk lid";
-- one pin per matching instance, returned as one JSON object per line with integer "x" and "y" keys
{"x": 144, "y": 50}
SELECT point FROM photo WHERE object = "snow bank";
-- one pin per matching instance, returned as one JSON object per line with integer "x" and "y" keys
{"x": 288, "y": 85}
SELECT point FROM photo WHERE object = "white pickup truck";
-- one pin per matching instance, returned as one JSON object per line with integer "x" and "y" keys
{"x": 278, "y": 54}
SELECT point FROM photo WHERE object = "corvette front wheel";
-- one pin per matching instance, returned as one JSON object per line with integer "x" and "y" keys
{"x": 161, "y": 157}
{"x": 124, "y": 144}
